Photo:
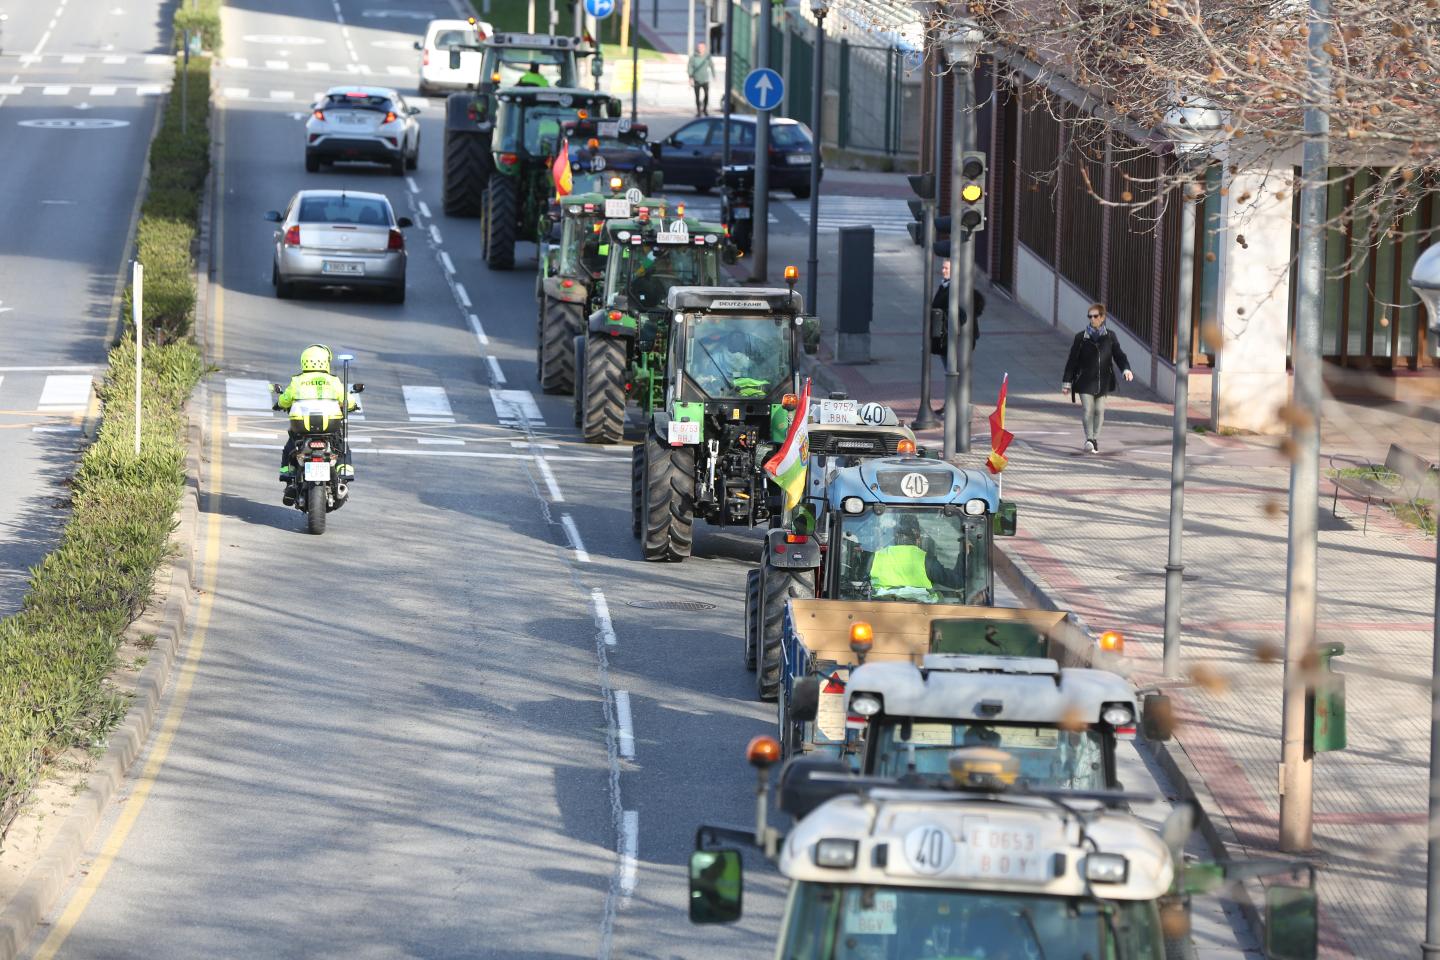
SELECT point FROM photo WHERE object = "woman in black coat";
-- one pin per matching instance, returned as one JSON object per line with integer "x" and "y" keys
{"x": 1090, "y": 372}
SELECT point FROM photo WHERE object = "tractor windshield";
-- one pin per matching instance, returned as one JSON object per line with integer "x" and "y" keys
{"x": 1048, "y": 756}
{"x": 555, "y": 67}
{"x": 535, "y": 133}
{"x": 600, "y": 182}
{"x": 738, "y": 357}
{"x": 580, "y": 247}
{"x": 647, "y": 272}
{"x": 918, "y": 554}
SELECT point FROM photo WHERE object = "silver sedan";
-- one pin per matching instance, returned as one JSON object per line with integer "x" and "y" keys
{"x": 368, "y": 124}
{"x": 339, "y": 238}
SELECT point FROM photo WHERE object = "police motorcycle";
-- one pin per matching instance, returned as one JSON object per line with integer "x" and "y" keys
{"x": 737, "y": 199}
{"x": 321, "y": 458}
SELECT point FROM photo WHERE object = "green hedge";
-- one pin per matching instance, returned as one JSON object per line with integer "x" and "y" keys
{"x": 56, "y": 651}
{"x": 199, "y": 16}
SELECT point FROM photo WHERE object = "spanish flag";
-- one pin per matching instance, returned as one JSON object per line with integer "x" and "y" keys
{"x": 789, "y": 464}
{"x": 999, "y": 437}
{"x": 561, "y": 170}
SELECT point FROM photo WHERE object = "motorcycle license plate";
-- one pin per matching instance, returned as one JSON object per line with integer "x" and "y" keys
{"x": 683, "y": 432}
{"x": 317, "y": 471}
{"x": 742, "y": 213}
{"x": 350, "y": 267}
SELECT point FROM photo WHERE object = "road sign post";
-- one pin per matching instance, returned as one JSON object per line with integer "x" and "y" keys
{"x": 764, "y": 89}
{"x": 137, "y": 312}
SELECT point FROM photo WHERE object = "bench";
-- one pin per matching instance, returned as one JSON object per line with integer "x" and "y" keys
{"x": 1415, "y": 475}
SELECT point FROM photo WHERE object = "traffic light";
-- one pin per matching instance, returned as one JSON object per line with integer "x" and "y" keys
{"x": 942, "y": 238}
{"x": 924, "y": 186}
{"x": 972, "y": 191}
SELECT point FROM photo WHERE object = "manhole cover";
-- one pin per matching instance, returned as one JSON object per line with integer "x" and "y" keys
{"x": 691, "y": 606}
{"x": 1144, "y": 575}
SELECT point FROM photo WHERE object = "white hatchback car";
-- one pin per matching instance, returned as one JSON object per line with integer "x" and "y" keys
{"x": 436, "y": 74}
{"x": 368, "y": 124}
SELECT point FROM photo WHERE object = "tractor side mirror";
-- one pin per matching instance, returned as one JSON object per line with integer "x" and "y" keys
{"x": 1006, "y": 522}
{"x": 810, "y": 333}
{"x": 716, "y": 884}
{"x": 454, "y": 59}
{"x": 1292, "y": 924}
{"x": 805, "y": 699}
{"x": 418, "y": 45}
{"x": 728, "y": 254}
{"x": 620, "y": 302}
{"x": 1157, "y": 717}
{"x": 597, "y": 66}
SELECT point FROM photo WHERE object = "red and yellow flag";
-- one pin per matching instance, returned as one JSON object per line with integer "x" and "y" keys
{"x": 561, "y": 170}
{"x": 999, "y": 437}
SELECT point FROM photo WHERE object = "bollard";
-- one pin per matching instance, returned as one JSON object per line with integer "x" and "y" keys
{"x": 856, "y": 301}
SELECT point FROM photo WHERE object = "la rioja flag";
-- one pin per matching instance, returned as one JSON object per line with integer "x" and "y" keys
{"x": 790, "y": 462}
{"x": 999, "y": 437}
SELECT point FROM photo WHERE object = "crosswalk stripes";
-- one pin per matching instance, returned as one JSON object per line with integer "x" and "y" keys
{"x": 65, "y": 393}
{"x": 516, "y": 408}
{"x": 424, "y": 404}
{"x": 242, "y": 394}
{"x": 427, "y": 404}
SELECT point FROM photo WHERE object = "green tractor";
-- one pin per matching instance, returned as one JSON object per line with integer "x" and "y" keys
{"x": 528, "y": 127}
{"x": 621, "y": 354}
{"x": 470, "y": 116}
{"x": 730, "y": 383}
{"x": 572, "y": 272}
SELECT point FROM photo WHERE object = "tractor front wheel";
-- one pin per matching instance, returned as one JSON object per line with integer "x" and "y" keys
{"x": 776, "y": 586}
{"x": 602, "y": 410}
{"x": 752, "y": 615}
{"x": 559, "y": 324}
{"x": 669, "y": 501}
{"x": 499, "y": 221}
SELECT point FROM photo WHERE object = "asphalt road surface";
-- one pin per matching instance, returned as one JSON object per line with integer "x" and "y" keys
{"x": 468, "y": 721}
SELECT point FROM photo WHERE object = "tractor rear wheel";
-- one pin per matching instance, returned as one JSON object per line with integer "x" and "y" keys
{"x": 637, "y": 490}
{"x": 579, "y": 401}
{"x": 669, "y": 501}
{"x": 558, "y": 327}
{"x": 776, "y": 586}
{"x": 602, "y": 410}
{"x": 498, "y": 224}
{"x": 752, "y": 614}
{"x": 467, "y": 163}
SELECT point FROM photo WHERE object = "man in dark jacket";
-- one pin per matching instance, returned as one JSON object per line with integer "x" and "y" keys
{"x": 939, "y": 322}
{"x": 1095, "y": 355}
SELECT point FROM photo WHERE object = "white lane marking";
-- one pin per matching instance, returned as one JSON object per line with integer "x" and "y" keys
{"x": 447, "y": 262}
{"x": 28, "y": 58}
{"x": 277, "y": 65}
{"x": 113, "y": 60}
{"x": 239, "y": 63}
{"x": 424, "y": 209}
{"x": 463, "y": 294}
{"x": 254, "y": 435}
{"x": 72, "y": 58}
{"x": 413, "y": 186}
{"x": 549, "y": 477}
{"x": 257, "y": 446}
{"x": 149, "y": 90}
{"x": 73, "y": 366}
{"x": 282, "y": 94}
{"x": 102, "y": 91}
{"x": 236, "y": 93}
{"x": 535, "y": 446}
{"x": 54, "y": 429}
{"x": 65, "y": 392}
{"x": 440, "y": 441}
{"x": 11, "y": 89}
{"x": 496, "y": 374}
{"x": 315, "y": 66}
{"x": 602, "y": 616}
{"x": 516, "y": 406}
{"x": 362, "y": 439}
{"x": 247, "y": 394}
{"x": 426, "y": 401}
{"x": 572, "y": 532}
{"x": 479, "y": 330}
{"x": 156, "y": 59}
{"x": 432, "y": 419}
{"x": 435, "y": 235}
{"x": 55, "y": 90}
{"x": 624, "y": 724}
{"x": 398, "y": 71}
{"x": 629, "y": 853}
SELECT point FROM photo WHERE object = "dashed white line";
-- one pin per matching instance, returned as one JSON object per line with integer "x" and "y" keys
{"x": 440, "y": 441}
{"x": 239, "y": 63}
{"x": 315, "y": 66}
{"x": 153, "y": 90}
{"x": 549, "y": 477}
{"x": 447, "y": 262}
{"x": 414, "y": 187}
{"x": 435, "y": 235}
{"x": 629, "y": 853}
{"x": 602, "y": 616}
{"x": 55, "y": 429}
{"x": 236, "y": 93}
{"x": 277, "y": 65}
{"x": 479, "y": 330}
{"x": 496, "y": 374}
{"x": 464, "y": 297}
{"x": 102, "y": 91}
{"x": 155, "y": 59}
{"x": 113, "y": 60}
{"x": 623, "y": 724}
{"x": 282, "y": 94}
{"x": 397, "y": 71}
{"x": 424, "y": 209}
{"x": 72, "y": 58}
{"x": 56, "y": 90}
{"x": 572, "y": 532}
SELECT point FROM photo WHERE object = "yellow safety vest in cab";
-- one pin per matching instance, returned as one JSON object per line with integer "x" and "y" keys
{"x": 314, "y": 386}
{"x": 902, "y": 565}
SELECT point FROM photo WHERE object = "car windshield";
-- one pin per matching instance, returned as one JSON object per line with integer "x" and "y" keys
{"x": 1049, "y": 756}
{"x": 738, "y": 357}
{"x": 344, "y": 209}
{"x": 915, "y": 553}
{"x": 450, "y": 38}
{"x": 646, "y": 273}
{"x": 550, "y": 64}
{"x": 789, "y": 135}
{"x": 357, "y": 101}
{"x": 852, "y": 922}
{"x": 580, "y": 247}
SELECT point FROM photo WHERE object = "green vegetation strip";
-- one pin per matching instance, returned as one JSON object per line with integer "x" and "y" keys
{"x": 56, "y": 652}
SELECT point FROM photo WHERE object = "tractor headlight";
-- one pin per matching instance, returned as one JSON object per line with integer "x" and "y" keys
{"x": 865, "y": 704}
{"x": 837, "y": 853}
{"x": 975, "y": 508}
{"x": 1118, "y": 715}
{"x": 852, "y": 505}
{"x": 1106, "y": 868}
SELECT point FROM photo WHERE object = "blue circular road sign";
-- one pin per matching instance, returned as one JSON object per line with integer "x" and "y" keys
{"x": 764, "y": 89}
{"x": 599, "y": 9}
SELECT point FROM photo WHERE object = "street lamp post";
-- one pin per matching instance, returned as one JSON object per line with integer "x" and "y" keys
{"x": 961, "y": 46}
{"x": 1425, "y": 281}
{"x": 817, "y": 104}
{"x": 1192, "y": 128}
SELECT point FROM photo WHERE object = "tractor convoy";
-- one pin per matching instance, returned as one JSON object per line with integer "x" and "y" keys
{"x": 950, "y": 763}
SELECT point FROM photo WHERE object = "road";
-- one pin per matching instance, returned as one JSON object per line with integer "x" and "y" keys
{"x": 469, "y": 721}
{"x": 78, "y": 88}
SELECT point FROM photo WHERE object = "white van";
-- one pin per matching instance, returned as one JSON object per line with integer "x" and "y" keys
{"x": 436, "y": 76}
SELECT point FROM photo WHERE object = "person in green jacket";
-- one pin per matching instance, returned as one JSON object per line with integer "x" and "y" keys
{"x": 701, "y": 70}
{"x": 902, "y": 565}
{"x": 532, "y": 77}
{"x": 313, "y": 382}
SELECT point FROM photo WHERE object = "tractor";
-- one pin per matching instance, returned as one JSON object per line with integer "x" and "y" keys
{"x": 727, "y": 393}
{"x": 601, "y": 150}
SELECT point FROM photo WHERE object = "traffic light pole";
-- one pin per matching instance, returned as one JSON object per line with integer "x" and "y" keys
{"x": 817, "y": 102}
{"x": 962, "y": 282}
{"x": 760, "y": 209}
{"x": 925, "y": 417}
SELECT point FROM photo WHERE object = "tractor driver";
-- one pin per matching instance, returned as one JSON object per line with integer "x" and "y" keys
{"x": 532, "y": 77}
{"x": 724, "y": 363}
{"x": 908, "y": 563}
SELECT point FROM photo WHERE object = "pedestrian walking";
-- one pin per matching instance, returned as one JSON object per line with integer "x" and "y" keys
{"x": 1095, "y": 355}
{"x": 940, "y": 314}
{"x": 701, "y": 69}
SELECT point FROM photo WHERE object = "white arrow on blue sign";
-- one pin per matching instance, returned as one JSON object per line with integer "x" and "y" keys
{"x": 764, "y": 89}
{"x": 599, "y": 9}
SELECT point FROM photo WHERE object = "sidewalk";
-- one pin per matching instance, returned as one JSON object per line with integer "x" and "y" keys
{"x": 1094, "y": 532}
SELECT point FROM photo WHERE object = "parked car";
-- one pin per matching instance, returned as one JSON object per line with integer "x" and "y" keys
{"x": 339, "y": 238}
{"x": 368, "y": 124}
{"x": 436, "y": 74}
{"x": 691, "y": 156}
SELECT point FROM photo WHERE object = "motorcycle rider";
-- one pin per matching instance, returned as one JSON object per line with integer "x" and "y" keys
{"x": 313, "y": 382}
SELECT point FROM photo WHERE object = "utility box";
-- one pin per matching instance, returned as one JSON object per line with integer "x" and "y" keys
{"x": 1327, "y": 702}
{"x": 855, "y": 304}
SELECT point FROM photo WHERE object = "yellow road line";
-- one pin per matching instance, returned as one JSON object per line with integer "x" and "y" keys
{"x": 65, "y": 925}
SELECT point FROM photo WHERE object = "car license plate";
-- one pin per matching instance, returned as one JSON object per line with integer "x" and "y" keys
{"x": 317, "y": 471}
{"x": 349, "y": 118}
{"x": 742, "y": 213}
{"x": 1001, "y": 850}
{"x": 351, "y": 267}
{"x": 839, "y": 411}
{"x": 682, "y": 432}
{"x": 795, "y": 159}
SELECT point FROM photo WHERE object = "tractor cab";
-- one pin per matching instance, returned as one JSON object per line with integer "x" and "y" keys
{"x": 513, "y": 59}
{"x": 530, "y": 120}
{"x": 601, "y": 150}
{"x": 646, "y": 256}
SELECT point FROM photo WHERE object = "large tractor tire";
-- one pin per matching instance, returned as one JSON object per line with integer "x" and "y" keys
{"x": 577, "y": 407}
{"x": 752, "y": 615}
{"x": 668, "y": 504}
{"x": 637, "y": 490}
{"x": 776, "y": 586}
{"x": 467, "y": 161}
{"x": 558, "y": 328}
{"x": 602, "y": 408}
{"x": 498, "y": 225}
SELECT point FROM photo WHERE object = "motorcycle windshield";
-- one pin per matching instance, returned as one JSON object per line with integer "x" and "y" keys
{"x": 738, "y": 357}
